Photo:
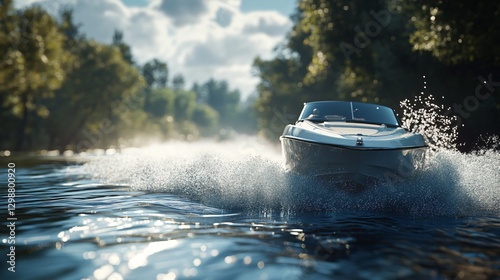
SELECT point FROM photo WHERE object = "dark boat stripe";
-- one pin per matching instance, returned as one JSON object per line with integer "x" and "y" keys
{"x": 352, "y": 148}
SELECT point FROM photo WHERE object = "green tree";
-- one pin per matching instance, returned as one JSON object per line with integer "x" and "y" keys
{"x": 217, "y": 95}
{"x": 246, "y": 120}
{"x": 32, "y": 67}
{"x": 69, "y": 28}
{"x": 124, "y": 48}
{"x": 456, "y": 31}
{"x": 10, "y": 68}
{"x": 155, "y": 75}
{"x": 462, "y": 36}
{"x": 185, "y": 103}
{"x": 178, "y": 82}
{"x": 280, "y": 93}
{"x": 206, "y": 118}
{"x": 345, "y": 37}
{"x": 95, "y": 94}
{"x": 162, "y": 102}
{"x": 185, "y": 106}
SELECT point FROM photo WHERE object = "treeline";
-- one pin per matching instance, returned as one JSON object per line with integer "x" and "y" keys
{"x": 380, "y": 51}
{"x": 61, "y": 90}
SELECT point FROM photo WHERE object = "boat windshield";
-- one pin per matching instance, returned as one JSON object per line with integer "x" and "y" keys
{"x": 346, "y": 111}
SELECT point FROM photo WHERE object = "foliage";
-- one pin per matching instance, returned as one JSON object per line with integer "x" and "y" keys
{"x": 31, "y": 67}
{"x": 217, "y": 95}
{"x": 162, "y": 103}
{"x": 178, "y": 82}
{"x": 456, "y": 31}
{"x": 155, "y": 73}
{"x": 89, "y": 100}
{"x": 124, "y": 48}
{"x": 206, "y": 118}
{"x": 231, "y": 112}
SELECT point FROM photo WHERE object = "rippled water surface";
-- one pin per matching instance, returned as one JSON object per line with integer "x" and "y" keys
{"x": 229, "y": 211}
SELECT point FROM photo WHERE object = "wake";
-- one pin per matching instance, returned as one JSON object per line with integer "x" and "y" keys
{"x": 223, "y": 175}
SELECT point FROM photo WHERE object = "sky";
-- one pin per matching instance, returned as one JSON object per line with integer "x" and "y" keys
{"x": 200, "y": 39}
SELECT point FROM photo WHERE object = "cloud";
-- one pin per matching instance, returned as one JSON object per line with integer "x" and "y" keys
{"x": 229, "y": 50}
{"x": 246, "y": 37}
{"x": 270, "y": 23}
{"x": 99, "y": 19}
{"x": 147, "y": 34}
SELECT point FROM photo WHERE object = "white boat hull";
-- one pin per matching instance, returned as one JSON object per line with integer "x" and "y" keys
{"x": 351, "y": 164}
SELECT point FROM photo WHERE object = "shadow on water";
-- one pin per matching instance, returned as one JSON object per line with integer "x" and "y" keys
{"x": 400, "y": 244}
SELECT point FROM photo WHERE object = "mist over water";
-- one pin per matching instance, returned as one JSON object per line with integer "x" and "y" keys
{"x": 246, "y": 174}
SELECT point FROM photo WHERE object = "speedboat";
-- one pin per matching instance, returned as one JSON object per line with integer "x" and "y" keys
{"x": 354, "y": 143}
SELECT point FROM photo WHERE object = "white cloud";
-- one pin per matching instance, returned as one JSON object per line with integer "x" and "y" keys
{"x": 200, "y": 39}
{"x": 270, "y": 23}
{"x": 100, "y": 19}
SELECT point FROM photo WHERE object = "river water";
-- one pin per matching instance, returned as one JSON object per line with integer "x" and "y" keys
{"x": 228, "y": 210}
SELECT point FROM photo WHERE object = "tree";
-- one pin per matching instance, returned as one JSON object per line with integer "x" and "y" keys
{"x": 178, "y": 82}
{"x": 95, "y": 94}
{"x": 185, "y": 103}
{"x": 10, "y": 68}
{"x": 33, "y": 65}
{"x": 456, "y": 31}
{"x": 69, "y": 28}
{"x": 162, "y": 102}
{"x": 217, "y": 95}
{"x": 155, "y": 75}
{"x": 206, "y": 118}
{"x": 124, "y": 48}
{"x": 280, "y": 93}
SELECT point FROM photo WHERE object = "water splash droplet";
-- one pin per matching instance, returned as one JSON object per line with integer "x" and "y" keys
{"x": 429, "y": 119}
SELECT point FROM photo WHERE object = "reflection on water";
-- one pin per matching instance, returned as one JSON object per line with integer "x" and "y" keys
{"x": 228, "y": 211}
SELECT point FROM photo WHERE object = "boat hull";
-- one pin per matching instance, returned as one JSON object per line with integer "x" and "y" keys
{"x": 350, "y": 164}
